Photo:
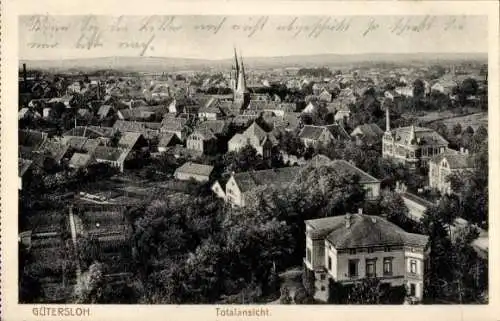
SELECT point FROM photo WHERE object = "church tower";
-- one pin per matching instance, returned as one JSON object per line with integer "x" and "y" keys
{"x": 241, "y": 94}
{"x": 235, "y": 69}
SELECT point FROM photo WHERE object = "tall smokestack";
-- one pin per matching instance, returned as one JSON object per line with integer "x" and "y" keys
{"x": 387, "y": 120}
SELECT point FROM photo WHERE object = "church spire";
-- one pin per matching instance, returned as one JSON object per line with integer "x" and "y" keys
{"x": 236, "y": 65}
{"x": 242, "y": 86}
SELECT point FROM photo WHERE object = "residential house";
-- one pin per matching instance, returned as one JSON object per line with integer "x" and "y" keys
{"x": 411, "y": 145}
{"x": 311, "y": 107}
{"x": 370, "y": 184}
{"x": 450, "y": 162}
{"x": 113, "y": 156}
{"x": 202, "y": 140}
{"x": 218, "y": 127}
{"x": 313, "y": 136}
{"x": 240, "y": 185}
{"x": 54, "y": 149}
{"x": 255, "y": 136}
{"x": 342, "y": 114}
{"x": 135, "y": 114}
{"x": 210, "y": 110}
{"x": 369, "y": 134}
{"x": 166, "y": 140}
{"x": 352, "y": 247}
{"x": 338, "y": 131}
{"x": 190, "y": 170}
{"x": 132, "y": 141}
{"x": 445, "y": 87}
{"x": 93, "y": 132}
{"x": 80, "y": 161}
{"x": 149, "y": 130}
{"x": 325, "y": 96}
{"x": 176, "y": 126}
{"x": 243, "y": 120}
{"x": 406, "y": 91}
{"x": 218, "y": 190}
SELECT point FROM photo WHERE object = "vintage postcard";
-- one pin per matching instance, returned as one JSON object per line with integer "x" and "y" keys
{"x": 230, "y": 160}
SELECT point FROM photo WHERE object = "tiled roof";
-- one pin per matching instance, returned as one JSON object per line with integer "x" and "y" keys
{"x": 338, "y": 131}
{"x": 218, "y": 127}
{"x": 246, "y": 181}
{"x": 312, "y": 132}
{"x": 128, "y": 139}
{"x": 426, "y": 135}
{"x": 107, "y": 153}
{"x": 205, "y": 133}
{"x": 363, "y": 231}
{"x": 344, "y": 167}
{"x": 80, "y": 160}
{"x": 104, "y": 111}
{"x": 174, "y": 124}
{"x": 193, "y": 168}
{"x": 165, "y": 139}
{"x": 370, "y": 130}
{"x": 56, "y": 149}
{"x": 455, "y": 159}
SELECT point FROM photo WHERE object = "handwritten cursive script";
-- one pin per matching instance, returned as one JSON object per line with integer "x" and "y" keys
{"x": 148, "y": 35}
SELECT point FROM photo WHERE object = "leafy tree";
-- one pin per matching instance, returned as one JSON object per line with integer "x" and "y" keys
{"x": 469, "y": 87}
{"x": 457, "y": 129}
{"x": 243, "y": 160}
{"x": 285, "y": 296}
{"x": 418, "y": 89}
{"x": 90, "y": 285}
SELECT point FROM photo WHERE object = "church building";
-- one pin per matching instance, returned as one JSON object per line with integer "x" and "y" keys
{"x": 241, "y": 94}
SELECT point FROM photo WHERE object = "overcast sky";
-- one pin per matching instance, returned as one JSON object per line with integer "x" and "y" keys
{"x": 213, "y": 37}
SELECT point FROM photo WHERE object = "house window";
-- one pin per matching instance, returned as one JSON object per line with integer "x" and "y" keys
{"x": 413, "y": 266}
{"x": 353, "y": 268}
{"x": 308, "y": 255}
{"x": 352, "y": 251}
{"x": 387, "y": 249}
{"x": 413, "y": 289}
{"x": 323, "y": 277}
{"x": 329, "y": 263}
{"x": 370, "y": 268}
{"x": 387, "y": 266}
{"x": 370, "y": 250}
